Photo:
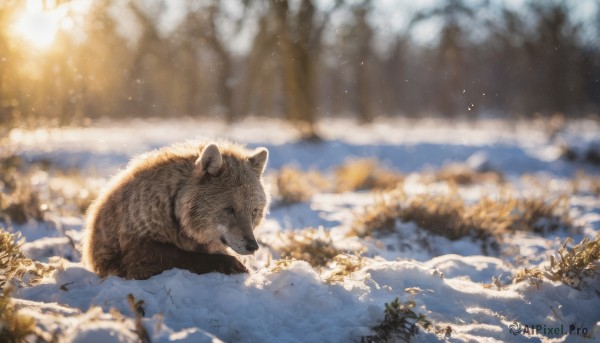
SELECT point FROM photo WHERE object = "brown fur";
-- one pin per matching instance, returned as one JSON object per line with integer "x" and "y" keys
{"x": 178, "y": 207}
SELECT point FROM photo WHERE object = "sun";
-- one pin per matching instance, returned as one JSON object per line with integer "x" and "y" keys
{"x": 37, "y": 25}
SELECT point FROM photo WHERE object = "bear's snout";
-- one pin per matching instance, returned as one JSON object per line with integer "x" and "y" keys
{"x": 251, "y": 245}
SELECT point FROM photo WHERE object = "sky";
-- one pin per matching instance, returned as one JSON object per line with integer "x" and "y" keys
{"x": 388, "y": 18}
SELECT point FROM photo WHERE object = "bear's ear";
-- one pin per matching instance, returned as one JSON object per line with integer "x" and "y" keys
{"x": 258, "y": 161}
{"x": 210, "y": 161}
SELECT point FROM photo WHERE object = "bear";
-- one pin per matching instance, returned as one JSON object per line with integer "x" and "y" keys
{"x": 181, "y": 206}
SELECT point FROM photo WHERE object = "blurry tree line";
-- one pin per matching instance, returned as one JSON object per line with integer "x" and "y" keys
{"x": 304, "y": 59}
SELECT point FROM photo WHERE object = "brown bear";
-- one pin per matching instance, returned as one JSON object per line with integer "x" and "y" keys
{"x": 178, "y": 207}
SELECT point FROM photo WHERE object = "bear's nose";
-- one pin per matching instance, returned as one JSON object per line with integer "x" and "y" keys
{"x": 251, "y": 245}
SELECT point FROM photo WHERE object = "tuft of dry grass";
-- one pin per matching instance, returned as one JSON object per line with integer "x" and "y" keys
{"x": 595, "y": 186}
{"x": 18, "y": 201}
{"x": 294, "y": 185}
{"x": 29, "y": 190}
{"x": 71, "y": 192}
{"x": 573, "y": 265}
{"x": 445, "y": 331}
{"x": 282, "y": 264}
{"x": 449, "y": 216}
{"x": 441, "y": 214}
{"x": 363, "y": 174}
{"x": 461, "y": 174}
{"x": 540, "y": 215}
{"x": 11, "y": 257}
{"x": 496, "y": 282}
{"x": 14, "y": 327}
{"x": 14, "y": 264}
{"x": 311, "y": 245}
{"x": 344, "y": 265}
{"x": 137, "y": 307}
{"x": 533, "y": 275}
{"x": 20, "y": 206}
{"x": 9, "y": 170}
{"x": 381, "y": 216}
{"x": 583, "y": 183}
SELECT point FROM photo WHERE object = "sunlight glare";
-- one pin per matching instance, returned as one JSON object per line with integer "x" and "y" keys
{"x": 36, "y": 25}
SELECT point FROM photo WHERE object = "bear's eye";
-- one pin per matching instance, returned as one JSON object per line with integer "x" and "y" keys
{"x": 254, "y": 212}
{"x": 229, "y": 210}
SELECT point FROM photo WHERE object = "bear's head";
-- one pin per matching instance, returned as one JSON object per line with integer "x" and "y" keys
{"x": 225, "y": 200}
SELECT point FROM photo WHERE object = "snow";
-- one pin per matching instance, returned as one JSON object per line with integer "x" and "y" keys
{"x": 294, "y": 302}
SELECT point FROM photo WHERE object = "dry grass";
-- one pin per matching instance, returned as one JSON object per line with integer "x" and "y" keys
{"x": 554, "y": 126}
{"x": 14, "y": 265}
{"x": 282, "y": 264}
{"x": 311, "y": 245}
{"x": 315, "y": 246}
{"x": 344, "y": 266}
{"x": 496, "y": 282}
{"x": 70, "y": 193}
{"x": 449, "y": 216}
{"x": 572, "y": 266}
{"x": 540, "y": 215}
{"x": 18, "y": 201}
{"x": 20, "y": 206}
{"x": 461, "y": 174}
{"x": 11, "y": 257}
{"x": 595, "y": 186}
{"x": 137, "y": 307}
{"x": 441, "y": 214}
{"x": 29, "y": 190}
{"x": 584, "y": 183}
{"x": 294, "y": 185}
{"x": 533, "y": 275}
{"x": 14, "y": 327}
{"x": 381, "y": 216}
{"x": 363, "y": 174}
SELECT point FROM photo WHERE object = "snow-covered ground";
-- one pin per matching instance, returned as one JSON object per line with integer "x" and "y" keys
{"x": 293, "y": 302}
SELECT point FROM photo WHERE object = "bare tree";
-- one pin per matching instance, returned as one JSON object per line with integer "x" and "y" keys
{"x": 299, "y": 33}
{"x": 362, "y": 34}
{"x": 261, "y": 70}
{"x": 8, "y": 102}
{"x": 151, "y": 68}
{"x": 555, "y": 42}
{"x": 204, "y": 24}
{"x": 449, "y": 60}
{"x": 534, "y": 57}
{"x": 103, "y": 80}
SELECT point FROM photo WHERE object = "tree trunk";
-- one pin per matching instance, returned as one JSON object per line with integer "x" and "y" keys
{"x": 225, "y": 89}
{"x": 298, "y": 68}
